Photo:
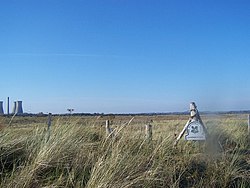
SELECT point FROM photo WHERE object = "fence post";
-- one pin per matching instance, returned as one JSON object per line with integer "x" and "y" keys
{"x": 108, "y": 129}
{"x": 49, "y": 125}
{"x": 49, "y": 121}
{"x": 148, "y": 132}
{"x": 249, "y": 124}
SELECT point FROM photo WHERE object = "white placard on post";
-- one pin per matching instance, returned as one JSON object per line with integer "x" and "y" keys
{"x": 195, "y": 131}
{"x": 194, "y": 127}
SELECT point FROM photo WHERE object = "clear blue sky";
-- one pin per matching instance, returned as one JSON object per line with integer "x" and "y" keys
{"x": 122, "y": 56}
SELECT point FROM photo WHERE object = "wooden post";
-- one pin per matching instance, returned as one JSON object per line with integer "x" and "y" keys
{"x": 49, "y": 121}
{"x": 182, "y": 132}
{"x": 193, "y": 112}
{"x": 249, "y": 124}
{"x": 49, "y": 125}
{"x": 108, "y": 129}
{"x": 148, "y": 131}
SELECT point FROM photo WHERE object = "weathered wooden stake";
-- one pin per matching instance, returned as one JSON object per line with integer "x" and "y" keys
{"x": 182, "y": 132}
{"x": 148, "y": 131}
{"x": 49, "y": 121}
{"x": 109, "y": 131}
{"x": 249, "y": 124}
{"x": 49, "y": 125}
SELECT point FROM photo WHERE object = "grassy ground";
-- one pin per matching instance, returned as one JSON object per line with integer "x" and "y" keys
{"x": 77, "y": 153}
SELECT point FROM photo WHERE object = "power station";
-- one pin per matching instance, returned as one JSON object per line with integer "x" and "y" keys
{"x": 17, "y": 107}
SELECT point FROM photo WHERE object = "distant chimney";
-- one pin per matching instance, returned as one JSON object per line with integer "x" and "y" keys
{"x": 8, "y": 106}
{"x": 1, "y": 108}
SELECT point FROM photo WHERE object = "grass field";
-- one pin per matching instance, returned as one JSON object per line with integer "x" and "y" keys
{"x": 77, "y": 153}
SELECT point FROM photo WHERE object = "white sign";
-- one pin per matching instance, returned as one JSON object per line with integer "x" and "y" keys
{"x": 195, "y": 131}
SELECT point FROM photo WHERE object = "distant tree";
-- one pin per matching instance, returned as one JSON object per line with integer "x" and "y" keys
{"x": 70, "y": 110}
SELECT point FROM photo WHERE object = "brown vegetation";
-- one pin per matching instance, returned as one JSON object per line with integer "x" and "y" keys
{"x": 77, "y": 154}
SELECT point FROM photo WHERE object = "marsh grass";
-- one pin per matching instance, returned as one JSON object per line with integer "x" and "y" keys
{"x": 78, "y": 154}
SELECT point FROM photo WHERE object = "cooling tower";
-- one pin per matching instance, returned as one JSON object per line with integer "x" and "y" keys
{"x": 14, "y": 108}
{"x": 1, "y": 108}
{"x": 19, "y": 108}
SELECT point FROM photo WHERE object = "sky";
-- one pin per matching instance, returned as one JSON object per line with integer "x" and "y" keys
{"x": 125, "y": 56}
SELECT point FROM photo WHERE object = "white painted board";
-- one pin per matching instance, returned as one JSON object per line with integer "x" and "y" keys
{"x": 195, "y": 131}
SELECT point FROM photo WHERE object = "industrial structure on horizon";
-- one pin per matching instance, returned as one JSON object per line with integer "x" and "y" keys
{"x": 17, "y": 108}
{"x": 1, "y": 107}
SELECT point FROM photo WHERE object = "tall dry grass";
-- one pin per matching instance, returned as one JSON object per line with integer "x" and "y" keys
{"x": 78, "y": 154}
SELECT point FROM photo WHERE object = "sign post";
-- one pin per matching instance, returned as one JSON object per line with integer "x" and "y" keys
{"x": 194, "y": 127}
